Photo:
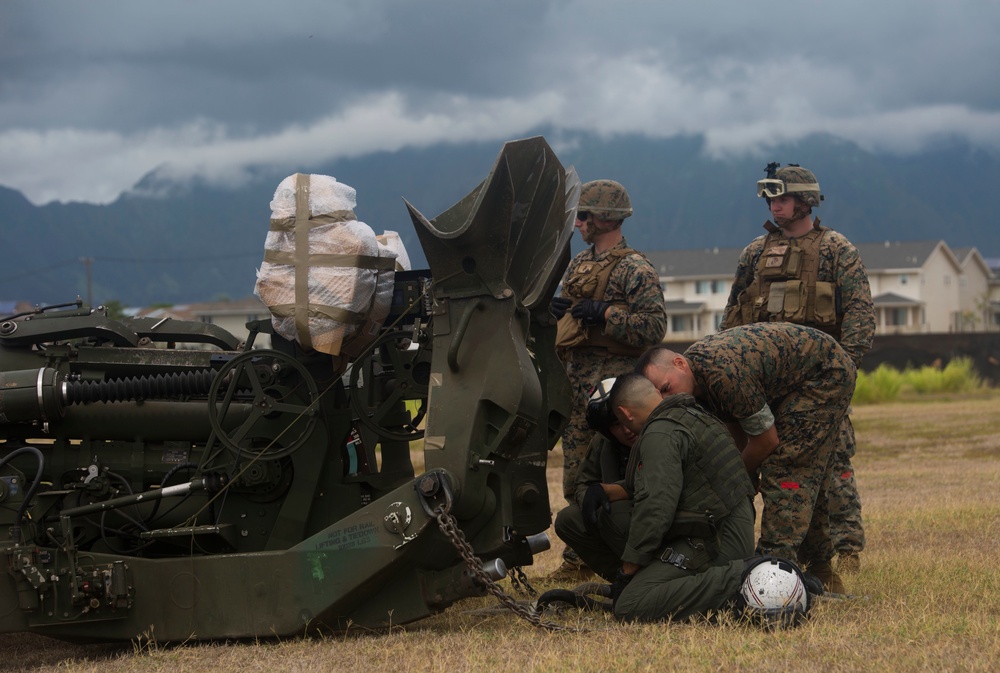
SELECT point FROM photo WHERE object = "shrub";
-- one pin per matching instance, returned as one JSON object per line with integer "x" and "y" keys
{"x": 957, "y": 377}
{"x": 881, "y": 385}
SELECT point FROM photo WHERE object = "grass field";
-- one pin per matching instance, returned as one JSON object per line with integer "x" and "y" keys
{"x": 927, "y": 595}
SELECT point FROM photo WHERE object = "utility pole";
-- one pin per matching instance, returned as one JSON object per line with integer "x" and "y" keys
{"x": 87, "y": 262}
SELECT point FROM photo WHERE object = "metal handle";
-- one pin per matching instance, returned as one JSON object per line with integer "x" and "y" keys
{"x": 463, "y": 326}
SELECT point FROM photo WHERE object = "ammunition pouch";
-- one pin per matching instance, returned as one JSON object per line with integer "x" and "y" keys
{"x": 786, "y": 287}
{"x": 589, "y": 280}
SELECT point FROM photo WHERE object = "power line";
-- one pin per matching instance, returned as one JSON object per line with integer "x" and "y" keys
{"x": 174, "y": 260}
{"x": 132, "y": 260}
{"x": 38, "y": 270}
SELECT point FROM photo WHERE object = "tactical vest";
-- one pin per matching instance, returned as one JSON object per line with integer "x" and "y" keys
{"x": 786, "y": 287}
{"x": 589, "y": 281}
{"x": 715, "y": 479}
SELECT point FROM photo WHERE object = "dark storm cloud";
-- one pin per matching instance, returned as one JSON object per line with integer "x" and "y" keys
{"x": 95, "y": 94}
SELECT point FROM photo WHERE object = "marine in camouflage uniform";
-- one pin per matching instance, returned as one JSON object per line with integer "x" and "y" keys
{"x": 831, "y": 260}
{"x": 611, "y": 309}
{"x": 787, "y": 387}
{"x": 692, "y": 520}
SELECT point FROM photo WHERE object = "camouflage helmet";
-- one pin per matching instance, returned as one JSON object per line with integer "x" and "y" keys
{"x": 792, "y": 179}
{"x": 606, "y": 199}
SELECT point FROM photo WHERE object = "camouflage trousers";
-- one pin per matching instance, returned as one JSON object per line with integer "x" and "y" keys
{"x": 585, "y": 367}
{"x": 796, "y": 479}
{"x": 847, "y": 530}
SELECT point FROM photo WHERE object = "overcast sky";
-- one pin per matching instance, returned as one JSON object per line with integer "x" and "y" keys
{"x": 94, "y": 94}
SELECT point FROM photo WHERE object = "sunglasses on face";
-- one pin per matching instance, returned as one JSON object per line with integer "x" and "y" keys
{"x": 582, "y": 215}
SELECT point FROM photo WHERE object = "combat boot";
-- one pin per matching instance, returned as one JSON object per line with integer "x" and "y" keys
{"x": 569, "y": 571}
{"x": 824, "y": 571}
{"x": 572, "y": 569}
{"x": 849, "y": 562}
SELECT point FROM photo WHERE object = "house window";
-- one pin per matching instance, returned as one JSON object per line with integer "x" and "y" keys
{"x": 719, "y": 287}
{"x": 717, "y": 321}
{"x": 206, "y": 318}
{"x": 702, "y": 287}
{"x": 663, "y": 286}
{"x": 903, "y": 279}
{"x": 947, "y": 280}
{"x": 678, "y": 323}
{"x": 895, "y": 317}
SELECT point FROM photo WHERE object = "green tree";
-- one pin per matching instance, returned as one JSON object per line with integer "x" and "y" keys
{"x": 115, "y": 309}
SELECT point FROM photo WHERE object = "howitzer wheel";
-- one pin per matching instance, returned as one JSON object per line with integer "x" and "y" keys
{"x": 392, "y": 373}
{"x": 283, "y": 409}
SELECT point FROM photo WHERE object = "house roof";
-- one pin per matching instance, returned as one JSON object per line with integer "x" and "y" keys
{"x": 244, "y": 306}
{"x": 901, "y": 254}
{"x": 703, "y": 263}
{"x": 969, "y": 256}
{"x": 721, "y": 262}
{"x": 893, "y": 299}
{"x": 241, "y": 307}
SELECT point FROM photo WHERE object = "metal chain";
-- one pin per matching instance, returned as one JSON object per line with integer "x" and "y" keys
{"x": 520, "y": 581}
{"x": 448, "y": 526}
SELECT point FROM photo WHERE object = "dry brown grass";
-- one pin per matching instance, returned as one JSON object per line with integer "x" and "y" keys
{"x": 929, "y": 589}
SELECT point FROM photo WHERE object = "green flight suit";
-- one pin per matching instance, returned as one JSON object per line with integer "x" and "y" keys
{"x": 685, "y": 461}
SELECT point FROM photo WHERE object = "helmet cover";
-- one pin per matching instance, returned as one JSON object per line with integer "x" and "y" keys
{"x": 792, "y": 179}
{"x": 606, "y": 199}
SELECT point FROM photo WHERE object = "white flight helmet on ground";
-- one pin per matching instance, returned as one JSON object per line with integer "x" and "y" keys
{"x": 773, "y": 593}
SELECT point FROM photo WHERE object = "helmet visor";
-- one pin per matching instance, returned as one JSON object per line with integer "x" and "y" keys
{"x": 770, "y": 188}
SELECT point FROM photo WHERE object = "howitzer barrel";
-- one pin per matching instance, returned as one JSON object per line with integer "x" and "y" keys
{"x": 30, "y": 395}
{"x": 153, "y": 420}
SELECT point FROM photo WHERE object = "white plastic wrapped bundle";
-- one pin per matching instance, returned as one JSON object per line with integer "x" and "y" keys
{"x": 326, "y": 277}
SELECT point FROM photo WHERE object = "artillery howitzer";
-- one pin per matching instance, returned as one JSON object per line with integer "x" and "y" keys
{"x": 223, "y": 491}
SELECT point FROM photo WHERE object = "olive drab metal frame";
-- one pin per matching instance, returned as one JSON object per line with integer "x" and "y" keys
{"x": 221, "y": 491}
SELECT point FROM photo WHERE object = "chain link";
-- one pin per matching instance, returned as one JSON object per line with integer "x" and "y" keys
{"x": 520, "y": 581}
{"x": 449, "y": 527}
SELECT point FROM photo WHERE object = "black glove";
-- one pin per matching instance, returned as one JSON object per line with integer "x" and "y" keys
{"x": 590, "y": 311}
{"x": 559, "y": 305}
{"x": 593, "y": 500}
{"x": 618, "y": 586}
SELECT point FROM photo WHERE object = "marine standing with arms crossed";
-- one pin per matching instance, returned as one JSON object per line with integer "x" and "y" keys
{"x": 804, "y": 273}
{"x": 610, "y": 310}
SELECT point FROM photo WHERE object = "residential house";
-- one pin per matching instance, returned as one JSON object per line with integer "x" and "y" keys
{"x": 974, "y": 285}
{"x": 994, "y": 309}
{"x": 695, "y": 287}
{"x": 231, "y": 316}
{"x": 917, "y": 286}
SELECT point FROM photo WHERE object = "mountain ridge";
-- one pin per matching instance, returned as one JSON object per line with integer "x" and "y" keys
{"x": 164, "y": 242}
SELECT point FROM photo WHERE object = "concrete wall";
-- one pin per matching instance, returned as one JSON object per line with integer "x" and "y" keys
{"x": 917, "y": 350}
